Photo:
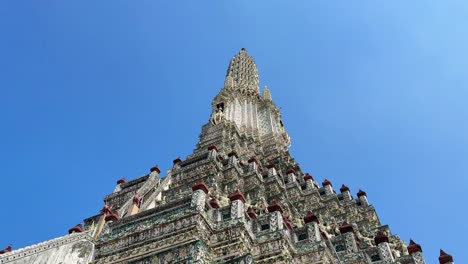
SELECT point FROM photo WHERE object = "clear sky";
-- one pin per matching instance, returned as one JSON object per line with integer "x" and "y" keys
{"x": 373, "y": 94}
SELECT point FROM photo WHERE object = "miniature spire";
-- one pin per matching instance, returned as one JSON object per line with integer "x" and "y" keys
{"x": 242, "y": 74}
{"x": 267, "y": 94}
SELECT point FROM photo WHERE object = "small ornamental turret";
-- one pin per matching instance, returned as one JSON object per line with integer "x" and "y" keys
{"x": 213, "y": 152}
{"x": 313, "y": 229}
{"x": 445, "y": 258}
{"x": 6, "y": 250}
{"x": 155, "y": 169}
{"x": 327, "y": 186}
{"x": 199, "y": 195}
{"x": 345, "y": 193}
{"x": 76, "y": 229}
{"x": 275, "y": 216}
{"x": 253, "y": 164}
{"x": 362, "y": 196}
{"x": 252, "y": 214}
{"x": 118, "y": 188}
{"x": 415, "y": 251}
{"x": 271, "y": 169}
{"x": 309, "y": 180}
{"x": 237, "y": 204}
{"x": 232, "y": 157}
{"x": 291, "y": 174}
{"x": 347, "y": 232}
{"x": 176, "y": 163}
{"x": 382, "y": 242}
{"x": 217, "y": 215}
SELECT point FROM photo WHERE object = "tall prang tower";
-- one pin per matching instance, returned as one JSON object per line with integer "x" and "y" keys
{"x": 240, "y": 197}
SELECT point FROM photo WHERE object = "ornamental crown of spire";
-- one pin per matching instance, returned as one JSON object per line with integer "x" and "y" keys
{"x": 242, "y": 74}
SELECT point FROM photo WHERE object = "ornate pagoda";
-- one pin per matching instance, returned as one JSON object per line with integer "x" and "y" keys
{"x": 240, "y": 197}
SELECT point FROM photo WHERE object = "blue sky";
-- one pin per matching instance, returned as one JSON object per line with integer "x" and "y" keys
{"x": 373, "y": 94}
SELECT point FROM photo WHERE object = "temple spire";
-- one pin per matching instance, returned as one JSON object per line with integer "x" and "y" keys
{"x": 242, "y": 74}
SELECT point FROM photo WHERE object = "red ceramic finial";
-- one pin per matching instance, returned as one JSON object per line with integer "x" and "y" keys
{"x": 344, "y": 188}
{"x": 445, "y": 258}
{"x": 201, "y": 186}
{"x": 413, "y": 247}
{"x": 310, "y": 217}
{"x": 237, "y": 195}
{"x": 326, "y": 182}
{"x": 361, "y": 193}
{"x": 120, "y": 181}
{"x": 156, "y": 169}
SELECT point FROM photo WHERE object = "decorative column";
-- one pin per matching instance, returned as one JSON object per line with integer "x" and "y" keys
{"x": 276, "y": 217}
{"x": 347, "y": 233}
{"x": 212, "y": 152}
{"x": 415, "y": 251}
{"x": 312, "y": 224}
{"x": 381, "y": 240}
{"x": 291, "y": 174}
{"x": 362, "y": 196}
{"x": 445, "y": 258}
{"x": 327, "y": 186}
{"x": 309, "y": 181}
{"x": 345, "y": 193}
{"x": 237, "y": 205}
{"x": 199, "y": 196}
